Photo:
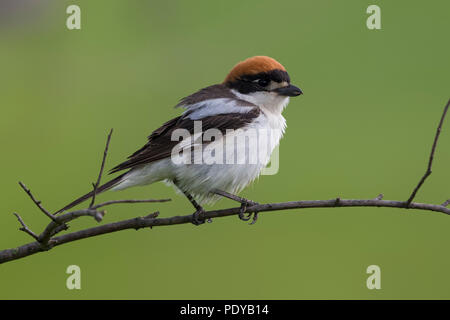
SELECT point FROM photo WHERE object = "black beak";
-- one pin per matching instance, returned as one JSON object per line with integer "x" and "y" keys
{"x": 290, "y": 91}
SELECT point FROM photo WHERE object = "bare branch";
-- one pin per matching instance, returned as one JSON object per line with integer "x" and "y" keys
{"x": 37, "y": 202}
{"x": 59, "y": 223}
{"x": 108, "y": 203}
{"x": 430, "y": 161}
{"x": 46, "y": 240}
{"x": 60, "y": 228}
{"x": 25, "y": 228}
{"x": 54, "y": 227}
{"x": 105, "y": 153}
{"x": 144, "y": 222}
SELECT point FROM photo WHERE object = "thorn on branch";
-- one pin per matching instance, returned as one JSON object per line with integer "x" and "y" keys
{"x": 25, "y": 228}
{"x": 379, "y": 197}
{"x": 337, "y": 202}
{"x": 37, "y": 202}
{"x": 152, "y": 215}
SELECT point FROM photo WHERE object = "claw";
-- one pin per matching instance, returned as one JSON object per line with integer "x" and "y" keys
{"x": 195, "y": 217}
{"x": 255, "y": 217}
{"x": 242, "y": 212}
{"x": 244, "y": 206}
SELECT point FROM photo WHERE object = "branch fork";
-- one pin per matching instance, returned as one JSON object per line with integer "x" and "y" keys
{"x": 46, "y": 239}
{"x": 49, "y": 239}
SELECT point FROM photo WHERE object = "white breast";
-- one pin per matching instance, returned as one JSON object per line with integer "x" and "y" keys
{"x": 199, "y": 179}
{"x": 247, "y": 162}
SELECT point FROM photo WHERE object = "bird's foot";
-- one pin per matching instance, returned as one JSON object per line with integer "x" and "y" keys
{"x": 244, "y": 205}
{"x": 196, "y": 217}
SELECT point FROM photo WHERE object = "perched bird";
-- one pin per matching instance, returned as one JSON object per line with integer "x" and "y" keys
{"x": 247, "y": 104}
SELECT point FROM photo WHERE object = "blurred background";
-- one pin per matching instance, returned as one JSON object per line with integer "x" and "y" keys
{"x": 372, "y": 100}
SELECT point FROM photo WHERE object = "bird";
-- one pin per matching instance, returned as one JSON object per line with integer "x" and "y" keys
{"x": 247, "y": 107}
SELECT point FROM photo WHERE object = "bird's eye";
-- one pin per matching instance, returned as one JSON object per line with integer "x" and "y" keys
{"x": 263, "y": 82}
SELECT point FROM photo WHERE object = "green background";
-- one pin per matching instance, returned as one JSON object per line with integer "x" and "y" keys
{"x": 372, "y": 100}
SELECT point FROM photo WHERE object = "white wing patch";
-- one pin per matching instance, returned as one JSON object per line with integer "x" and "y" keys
{"x": 213, "y": 107}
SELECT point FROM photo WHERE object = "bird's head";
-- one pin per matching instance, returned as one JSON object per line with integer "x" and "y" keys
{"x": 262, "y": 80}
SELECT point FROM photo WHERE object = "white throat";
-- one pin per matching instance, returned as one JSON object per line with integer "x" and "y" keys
{"x": 269, "y": 102}
{"x": 271, "y": 106}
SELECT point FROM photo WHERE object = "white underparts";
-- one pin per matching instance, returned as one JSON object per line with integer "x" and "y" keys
{"x": 199, "y": 179}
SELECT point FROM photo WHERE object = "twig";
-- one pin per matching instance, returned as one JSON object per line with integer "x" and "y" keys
{"x": 105, "y": 153}
{"x": 37, "y": 202}
{"x": 60, "y": 228}
{"x": 46, "y": 241}
{"x": 55, "y": 226}
{"x": 25, "y": 228}
{"x": 108, "y": 203}
{"x": 430, "y": 161}
{"x": 143, "y": 222}
{"x": 59, "y": 223}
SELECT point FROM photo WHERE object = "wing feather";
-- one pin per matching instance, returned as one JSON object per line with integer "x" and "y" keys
{"x": 160, "y": 142}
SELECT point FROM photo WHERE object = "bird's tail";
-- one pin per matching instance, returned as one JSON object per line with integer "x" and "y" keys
{"x": 108, "y": 185}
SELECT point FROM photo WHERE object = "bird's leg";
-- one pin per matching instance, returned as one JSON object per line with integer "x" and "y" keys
{"x": 244, "y": 204}
{"x": 198, "y": 208}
